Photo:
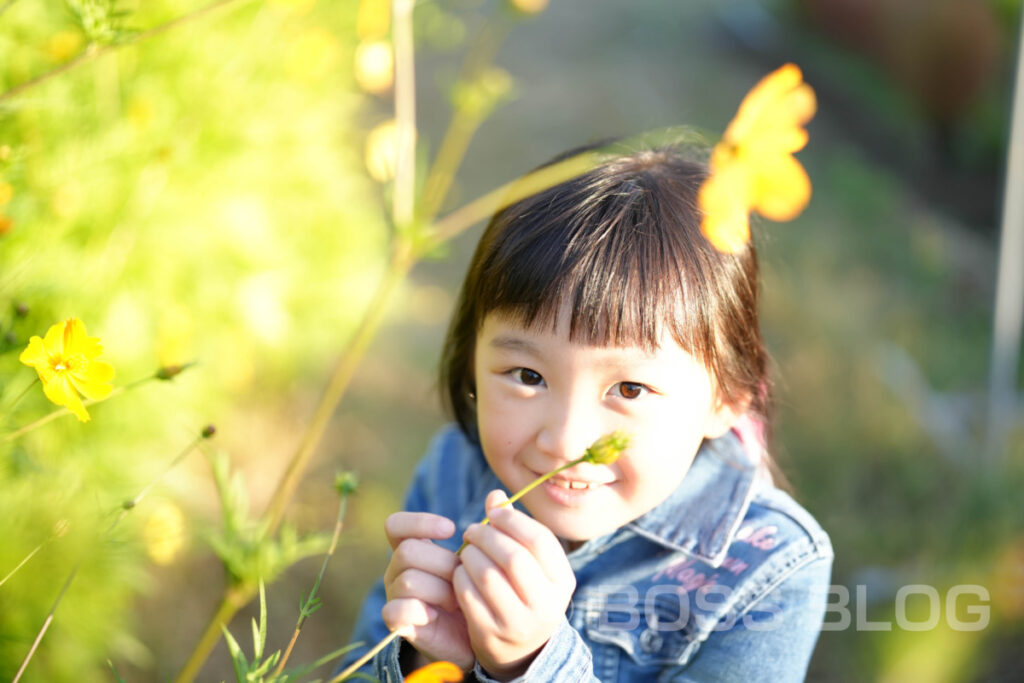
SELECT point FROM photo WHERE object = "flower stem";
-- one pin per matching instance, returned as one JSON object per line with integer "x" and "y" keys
{"x": 10, "y": 406}
{"x": 305, "y": 611}
{"x": 74, "y": 571}
{"x": 50, "y": 417}
{"x": 529, "y": 487}
{"x": 233, "y": 600}
{"x": 23, "y": 562}
{"x": 93, "y": 50}
{"x": 46, "y": 623}
{"x": 367, "y": 657}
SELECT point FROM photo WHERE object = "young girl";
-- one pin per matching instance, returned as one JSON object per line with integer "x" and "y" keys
{"x": 595, "y": 306}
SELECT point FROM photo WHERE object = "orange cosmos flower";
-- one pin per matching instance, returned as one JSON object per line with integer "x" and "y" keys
{"x": 66, "y": 361}
{"x": 438, "y": 672}
{"x": 752, "y": 168}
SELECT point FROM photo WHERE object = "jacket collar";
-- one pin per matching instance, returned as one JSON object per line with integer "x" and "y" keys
{"x": 701, "y": 517}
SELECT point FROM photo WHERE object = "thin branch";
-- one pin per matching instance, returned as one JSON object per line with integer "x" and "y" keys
{"x": 367, "y": 657}
{"x": 206, "y": 433}
{"x": 46, "y": 624}
{"x": 310, "y": 601}
{"x": 93, "y": 50}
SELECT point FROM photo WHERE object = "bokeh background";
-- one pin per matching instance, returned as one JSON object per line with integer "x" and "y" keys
{"x": 202, "y": 194}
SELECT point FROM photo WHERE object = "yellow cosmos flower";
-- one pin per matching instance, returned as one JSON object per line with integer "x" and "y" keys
{"x": 438, "y": 672}
{"x": 752, "y": 168}
{"x": 66, "y": 360}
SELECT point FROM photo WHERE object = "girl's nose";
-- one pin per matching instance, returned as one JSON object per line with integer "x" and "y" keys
{"x": 567, "y": 432}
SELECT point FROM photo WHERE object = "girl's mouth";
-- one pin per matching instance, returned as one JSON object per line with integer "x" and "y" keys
{"x": 571, "y": 492}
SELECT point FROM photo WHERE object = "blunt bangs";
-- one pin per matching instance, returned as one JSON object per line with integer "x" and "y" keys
{"x": 625, "y": 263}
{"x": 621, "y": 246}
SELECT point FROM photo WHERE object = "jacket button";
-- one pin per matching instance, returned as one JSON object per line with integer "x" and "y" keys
{"x": 650, "y": 641}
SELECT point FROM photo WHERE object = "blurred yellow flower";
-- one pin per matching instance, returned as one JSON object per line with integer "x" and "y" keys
{"x": 5, "y": 224}
{"x": 375, "y": 66}
{"x": 382, "y": 151}
{"x": 753, "y": 168}
{"x": 312, "y": 55}
{"x": 66, "y": 361}
{"x": 6, "y": 192}
{"x": 64, "y": 45}
{"x": 530, "y": 6}
{"x": 438, "y": 672}
{"x": 164, "y": 533}
{"x": 373, "y": 19}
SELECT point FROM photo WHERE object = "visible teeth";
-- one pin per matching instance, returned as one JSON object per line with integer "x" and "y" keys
{"x": 577, "y": 485}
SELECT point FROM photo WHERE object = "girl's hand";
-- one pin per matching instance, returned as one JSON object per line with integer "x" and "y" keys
{"x": 514, "y": 585}
{"x": 418, "y": 585}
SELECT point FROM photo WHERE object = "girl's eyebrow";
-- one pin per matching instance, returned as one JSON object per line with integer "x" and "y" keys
{"x": 512, "y": 343}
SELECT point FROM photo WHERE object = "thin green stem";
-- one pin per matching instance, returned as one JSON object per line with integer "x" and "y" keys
{"x": 46, "y": 624}
{"x": 23, "y": 562}
{"x": 526, "y": 489}
{"x": 233, "y": 600}
{"x": 74, "y": 571}
{"x": 93, "y": 50}
{"x": 463, "y": 126}
{"x": 20, "y": 396}
{"x": 50, "y": 417}
{"x": 305, "y": 611}
{"x": 129, "y": 505}
{"x": 400, "y": 264}
{"x": 367, "y": 657}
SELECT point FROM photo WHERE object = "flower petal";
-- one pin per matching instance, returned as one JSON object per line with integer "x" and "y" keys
{"x": 722, "y": 199}
{"x": 35, "y": 354}
{"x": 77, "y": 339}
{"x": 54, "y": 339}
{"x": 438, "y": 672}
{"x": 61, "y": 392}
{"x": 95, "y": 381}
{"x": 761, "y": 100}
{"x": 781, "y": 192}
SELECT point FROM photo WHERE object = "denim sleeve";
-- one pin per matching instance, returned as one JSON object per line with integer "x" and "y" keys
{"x": 773, "y": 639}
{"x": 440, "y": 486}
{"x": 564, "y": 659}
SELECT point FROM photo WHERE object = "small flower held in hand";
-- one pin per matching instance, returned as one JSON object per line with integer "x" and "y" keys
{"x": 604, "y": 451}
{"x": 438, "y": 672}
{"x": 752, "y": 168}
{"x": 66, "y": 361}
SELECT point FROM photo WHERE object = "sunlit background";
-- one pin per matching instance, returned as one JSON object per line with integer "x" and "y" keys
{"x": 220, "y": 192}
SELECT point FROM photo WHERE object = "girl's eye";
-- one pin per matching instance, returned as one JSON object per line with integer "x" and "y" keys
{"x": 528, "y": 377}
{"x": 630, "y": 390}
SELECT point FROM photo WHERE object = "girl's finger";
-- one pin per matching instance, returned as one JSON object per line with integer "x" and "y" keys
{"x": 479, "y": 616}
{"x": 501, "y": 599}
{"x": 424, "y": 555}
{"x": 537, "y": 539}
{"x": 413, "y": 583}
{"x": 403, "y": 525}
{"x": 407, "y": 612}
{"x": 519, "y": 565}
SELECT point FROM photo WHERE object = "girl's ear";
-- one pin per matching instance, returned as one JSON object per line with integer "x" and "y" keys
{"x": 723, "y": 417}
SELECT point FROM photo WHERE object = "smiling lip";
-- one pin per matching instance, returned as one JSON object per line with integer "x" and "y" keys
{"x": 571, "y": 492}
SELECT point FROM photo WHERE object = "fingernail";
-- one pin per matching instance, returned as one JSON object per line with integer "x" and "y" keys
{"x": 431, "y": 613}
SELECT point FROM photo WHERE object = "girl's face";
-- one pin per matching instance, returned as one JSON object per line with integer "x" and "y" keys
{"x": 542, "y": 400}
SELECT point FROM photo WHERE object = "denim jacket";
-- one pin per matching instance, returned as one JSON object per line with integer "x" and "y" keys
{"x": 725, "y": 580}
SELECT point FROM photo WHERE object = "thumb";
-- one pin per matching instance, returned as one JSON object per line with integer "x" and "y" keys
{"x": 495, "y": 499}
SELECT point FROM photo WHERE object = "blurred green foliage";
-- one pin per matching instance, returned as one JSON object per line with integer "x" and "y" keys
{"x": 195, "y": 195}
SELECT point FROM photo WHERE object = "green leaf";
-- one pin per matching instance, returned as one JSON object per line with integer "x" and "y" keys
{"x": 238, "y": 659}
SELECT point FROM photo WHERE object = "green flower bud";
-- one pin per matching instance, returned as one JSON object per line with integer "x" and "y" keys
{"x": 345, "y": 483}
{"x": 607, "y": 449}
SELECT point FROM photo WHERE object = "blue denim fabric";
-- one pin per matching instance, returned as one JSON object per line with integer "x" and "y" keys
{"x": 726, "y": 580}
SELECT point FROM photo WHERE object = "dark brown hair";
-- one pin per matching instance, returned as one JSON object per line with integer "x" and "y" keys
{"x": 622, "y": 245}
